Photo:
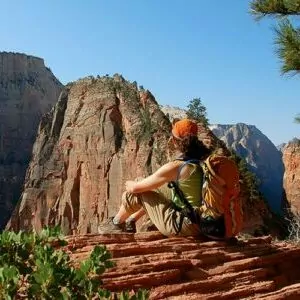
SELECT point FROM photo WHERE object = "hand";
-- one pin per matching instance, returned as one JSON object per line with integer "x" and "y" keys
{"x": 130, "y": 186}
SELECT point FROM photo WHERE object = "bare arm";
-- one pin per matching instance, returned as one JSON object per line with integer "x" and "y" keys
{"x": 164, "y": 174}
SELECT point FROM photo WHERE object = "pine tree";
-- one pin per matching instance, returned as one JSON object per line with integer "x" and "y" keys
{"x": 287, "y": 36}
{"x": 197, "y": 111}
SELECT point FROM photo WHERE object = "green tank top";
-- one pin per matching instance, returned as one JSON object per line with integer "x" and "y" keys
{"x": 191, "y": 187}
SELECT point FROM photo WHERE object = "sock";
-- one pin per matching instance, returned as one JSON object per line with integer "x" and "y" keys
{"x": 116, "y": 220}
{"x": 130, "y": 219}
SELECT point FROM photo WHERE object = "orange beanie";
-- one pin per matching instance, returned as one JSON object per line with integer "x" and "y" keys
{"x": 184, "y": 128}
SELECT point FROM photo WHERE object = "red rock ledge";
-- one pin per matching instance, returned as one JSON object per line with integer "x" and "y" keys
{"x": 187, "y": 268}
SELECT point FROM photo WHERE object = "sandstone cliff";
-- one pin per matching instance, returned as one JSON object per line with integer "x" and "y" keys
{"x": 261, "y": 155}
{"x": 27, "y": 90}
{"x": 291, "y": 180}
{"x": 101, "y": 133}
{"x": 186, "y": 268}
{"x": 173, "y": 112}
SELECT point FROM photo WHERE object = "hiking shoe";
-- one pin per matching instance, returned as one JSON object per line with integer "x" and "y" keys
{"x": 130, "y": 227}
{"x": 110, "y": 227}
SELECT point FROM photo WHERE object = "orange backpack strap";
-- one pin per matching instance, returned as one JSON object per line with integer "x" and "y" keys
{"x": 213, "y": 173}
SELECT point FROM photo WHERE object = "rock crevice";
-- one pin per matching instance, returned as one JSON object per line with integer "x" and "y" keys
{"x": 85, "y": 150}
{"x": 187, "y": 268}
{"x": 28, "y": 89}
{"x": 291, "y": 179}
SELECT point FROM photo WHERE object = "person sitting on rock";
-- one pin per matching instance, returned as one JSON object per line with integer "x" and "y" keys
{"x": 167, "y": 211}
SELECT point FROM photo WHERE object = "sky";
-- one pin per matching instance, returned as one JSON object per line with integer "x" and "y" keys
{"x": 178, "y": 49}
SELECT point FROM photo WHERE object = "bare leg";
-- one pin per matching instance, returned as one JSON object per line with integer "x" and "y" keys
{"x": 137, "y": 215}
{"x": 121, "y": 216}
{"x": 128, "y": 212}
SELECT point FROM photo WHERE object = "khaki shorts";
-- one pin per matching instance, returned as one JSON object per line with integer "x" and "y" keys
{"x": 161, "y": 212}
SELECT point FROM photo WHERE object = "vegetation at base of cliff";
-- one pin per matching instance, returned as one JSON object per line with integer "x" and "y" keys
{"x": 287, "y": 37}
{"x": 248, "y": 179}
{"x": 273, "y": 223}
{"x": 32, "y": 267}
{"x": 292, "y": 219}
{"x": 197, "y": 111}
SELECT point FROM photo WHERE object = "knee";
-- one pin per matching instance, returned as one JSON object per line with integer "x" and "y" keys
{"x": 131, "y": 202}
{"x": 126, "y": 198}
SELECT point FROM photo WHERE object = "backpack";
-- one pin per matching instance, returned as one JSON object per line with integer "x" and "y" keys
{"x": 220, "y": 192}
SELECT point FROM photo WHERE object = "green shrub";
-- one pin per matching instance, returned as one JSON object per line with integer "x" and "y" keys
{"x": 32, "y": 268}
{"x": 148, "y": 127}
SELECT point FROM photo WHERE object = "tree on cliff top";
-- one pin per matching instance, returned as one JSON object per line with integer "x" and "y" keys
{"x": 197, "y": 111}
{"x": 287, "y": 36}
{"x": 297, "y": 119}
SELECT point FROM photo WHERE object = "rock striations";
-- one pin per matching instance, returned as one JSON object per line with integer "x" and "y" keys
{"x": 291, "y": 180}
{"x": 186, "y": 268}
{"x": 27, "y": 90}
{"x": 101, "y": 133}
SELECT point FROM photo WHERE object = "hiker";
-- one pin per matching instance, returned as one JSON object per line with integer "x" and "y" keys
{"x": 168, "y": 214}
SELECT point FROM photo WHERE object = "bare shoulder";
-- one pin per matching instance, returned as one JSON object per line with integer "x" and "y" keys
{"x": 170, "y": 168}
{"x": 172, "y": 164}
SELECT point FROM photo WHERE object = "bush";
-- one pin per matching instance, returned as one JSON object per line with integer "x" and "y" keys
{"x": 32, "y": 268}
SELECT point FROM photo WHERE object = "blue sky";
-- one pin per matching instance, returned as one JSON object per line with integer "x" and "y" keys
{"x": 178, "y": 50}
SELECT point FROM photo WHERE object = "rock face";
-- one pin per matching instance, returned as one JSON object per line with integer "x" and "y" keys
{"x": 27, "y": 90}
{"x": 173, "y": 112}
{"x": 261, "y": 155}
{"x": 281, "y": 146}
{"x": 101, "y": 133}
{"x": 291, "y": 180}
{"x": 186, "y": 268}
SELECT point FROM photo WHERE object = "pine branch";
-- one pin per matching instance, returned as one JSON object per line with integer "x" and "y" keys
{"x": 288, "y": 37}
{"x": 288, "y": 42}
{"x": 277, "y": 8}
